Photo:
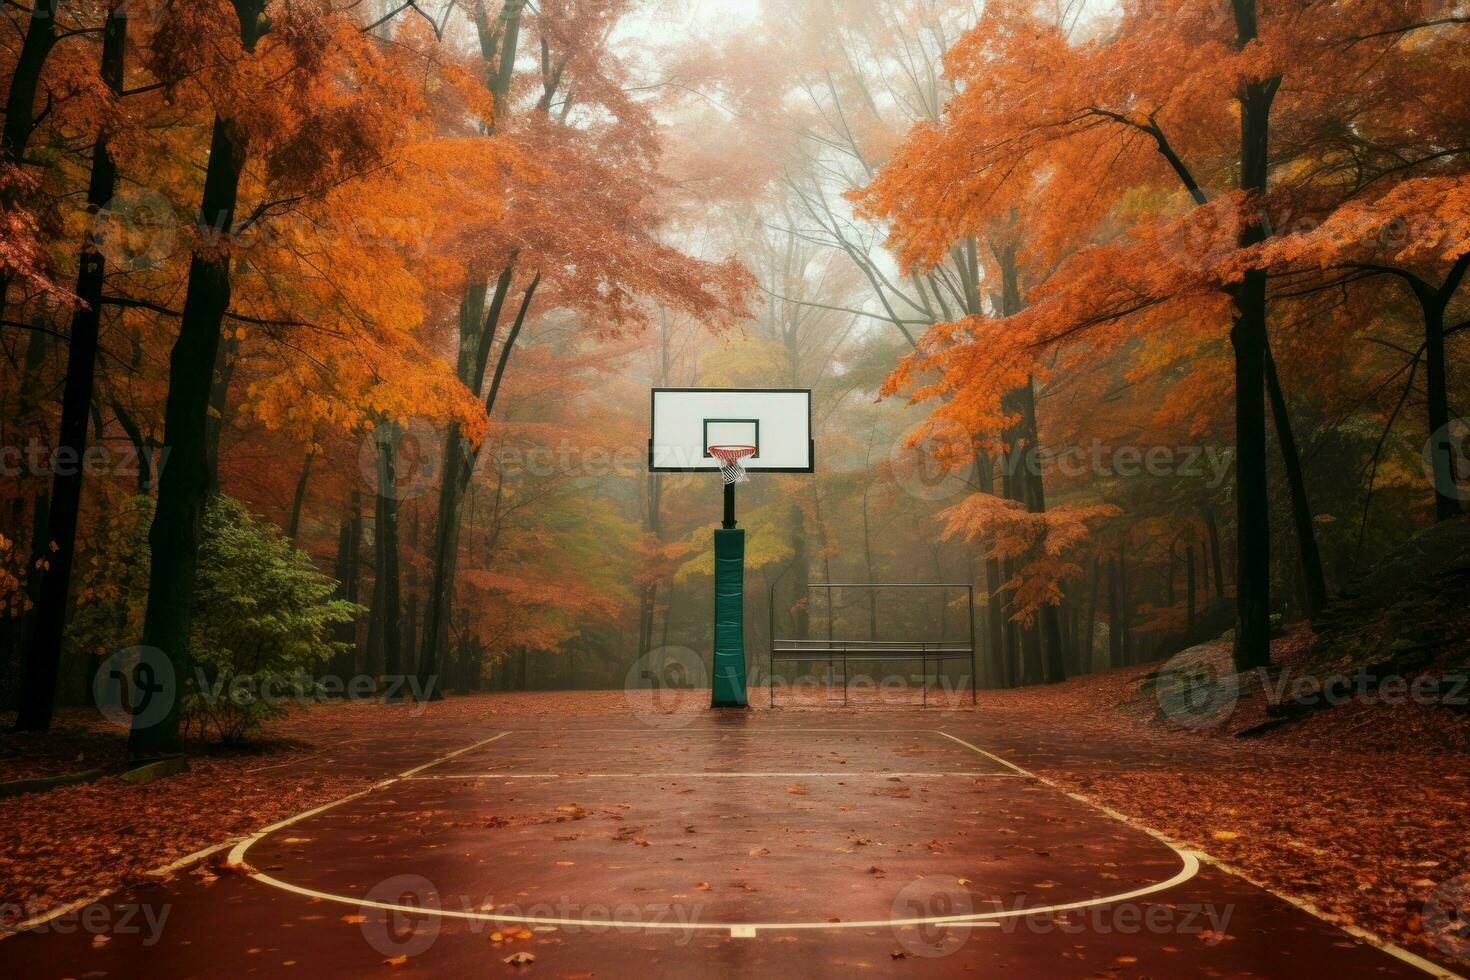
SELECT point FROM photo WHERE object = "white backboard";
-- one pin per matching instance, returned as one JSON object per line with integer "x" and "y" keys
{"x": 687, "y": 421}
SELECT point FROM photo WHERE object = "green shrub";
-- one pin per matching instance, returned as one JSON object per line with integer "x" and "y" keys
{"x": 264, "y": 616}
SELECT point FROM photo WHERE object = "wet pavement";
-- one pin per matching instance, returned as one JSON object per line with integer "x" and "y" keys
{"x": 750, "y": 844}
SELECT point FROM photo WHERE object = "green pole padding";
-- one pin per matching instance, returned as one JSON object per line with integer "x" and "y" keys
{"x": 729, "y": 667}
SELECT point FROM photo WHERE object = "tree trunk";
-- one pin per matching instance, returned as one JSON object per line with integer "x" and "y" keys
{"x": 339, "y": 665}
{"x": 1217, "y": 561}
{"x": 354, "y": 584}
{"x": 387, "y": 435}
{"x": 1056, "y": 653}
{"x": 459, "y": 461}
{"x": 1032, "y": 669}
{"x": 1189, "y": 599}
{"x": 995, "y": 630}
{"x": 1125, "y": 606}
{"x": 1248, "y": 338}
{"x": 410, "y": 634}
{"x": 219, "y": 401}
{"x": 37, "y": 693}
{"x": 372, "y": 662}
{"x": 1313, "y": 581}
{"x": 40, "y": 520}
{"x": 441, "y": 587}
{"x": 1022, "y": 482}
{"x": 471, "y": 661}
{"x": 183, "y": 486}
{"x": 1253, "y": 548}
{"x": 648, "y": 597}
{"x": 801, "y": 572}
{"x": 868, "y": 564}
{"x": 298, "y": 499}
{"x": 1089, "y": 643}
{"x": 25, "y": 78}
{"x": 1115, "y": 616}
{"x": 477, "y": 329}
{"x": 10, "y": 619}
{"x": 142, "y": 445}
{"x": 1169, "y": 578}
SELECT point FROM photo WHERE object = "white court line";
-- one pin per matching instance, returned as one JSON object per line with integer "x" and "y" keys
{"x": 453, "y": 755}
{"x": 233, "y": 842}
{"x": 713, "y": 775}
{"x": 1180, "y": 847}
{"x": 754, "y": 733}
{"x": 736, "y": 930}
{"x": 161, "y": 870}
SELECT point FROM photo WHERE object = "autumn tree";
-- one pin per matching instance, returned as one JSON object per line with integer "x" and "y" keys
{"x": 43, "y": 657}
{"x": 582, "y": 236}
{"x": 285, "y": 124}
{"x": 1111, "y": 100}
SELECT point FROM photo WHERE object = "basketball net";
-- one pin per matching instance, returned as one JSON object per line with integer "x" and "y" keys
{"x": 732, "y": 462}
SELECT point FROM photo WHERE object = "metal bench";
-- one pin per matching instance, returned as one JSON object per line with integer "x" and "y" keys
{"x": 794, "y": 650}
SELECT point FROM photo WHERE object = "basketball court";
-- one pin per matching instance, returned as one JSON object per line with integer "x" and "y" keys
{"x": 751, "y": 829}
{"x": 812, "y": 842}
{"x": 718, "y": 839}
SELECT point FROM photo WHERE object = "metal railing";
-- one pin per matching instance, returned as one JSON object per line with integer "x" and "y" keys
{"x": 832, "y": 650}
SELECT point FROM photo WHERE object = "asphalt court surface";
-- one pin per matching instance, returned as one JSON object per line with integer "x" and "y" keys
{"x": 749, "y": 845}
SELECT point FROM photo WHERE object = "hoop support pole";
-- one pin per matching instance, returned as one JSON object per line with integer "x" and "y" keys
{"x": 728, "y": 673}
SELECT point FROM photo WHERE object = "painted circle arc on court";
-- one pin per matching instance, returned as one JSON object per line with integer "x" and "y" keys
{"x": 1188, "y": 868}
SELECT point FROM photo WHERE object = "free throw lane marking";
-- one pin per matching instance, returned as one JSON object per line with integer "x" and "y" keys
{"x": 878, "y": 774}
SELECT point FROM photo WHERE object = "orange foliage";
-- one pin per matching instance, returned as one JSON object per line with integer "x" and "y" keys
{"x": 1043, "y": 542}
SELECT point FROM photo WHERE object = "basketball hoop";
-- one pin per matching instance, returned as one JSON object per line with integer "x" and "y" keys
{"x": 732, "y": 465}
